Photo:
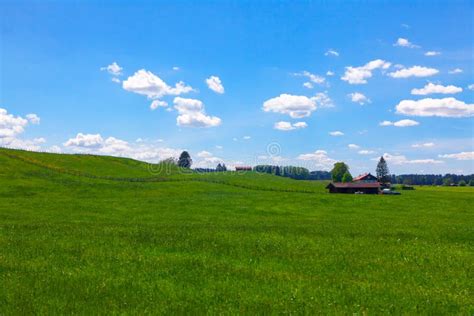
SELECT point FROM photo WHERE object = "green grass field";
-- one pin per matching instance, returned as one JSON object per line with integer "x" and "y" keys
{"x": 95, "y": 235}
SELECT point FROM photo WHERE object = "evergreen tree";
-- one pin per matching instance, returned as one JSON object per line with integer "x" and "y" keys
{"x": 185, "y": 160}
{"x": 383, "y": 175}
{"x": 277, "y": 171}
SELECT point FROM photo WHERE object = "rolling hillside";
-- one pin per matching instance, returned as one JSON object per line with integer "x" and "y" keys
{"x": 93, "y": 234}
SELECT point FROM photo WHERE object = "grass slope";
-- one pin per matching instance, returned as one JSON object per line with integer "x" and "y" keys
{"x": 89, "y": 234}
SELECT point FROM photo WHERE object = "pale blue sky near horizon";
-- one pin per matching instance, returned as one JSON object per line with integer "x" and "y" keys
{"x": 54, "y": 56}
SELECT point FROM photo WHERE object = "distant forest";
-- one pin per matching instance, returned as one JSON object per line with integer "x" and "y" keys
{"x": 300, "y": 173}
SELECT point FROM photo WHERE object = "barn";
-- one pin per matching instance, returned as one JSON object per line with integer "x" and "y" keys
{"x": 353, "y": 187}
{"x": 365, "y": 183}
{"x": 366, "y": 177}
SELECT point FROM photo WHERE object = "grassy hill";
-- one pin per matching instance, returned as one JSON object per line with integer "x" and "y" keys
{"x": 93, "y": 234}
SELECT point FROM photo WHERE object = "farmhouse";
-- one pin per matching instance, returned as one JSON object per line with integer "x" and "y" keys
{"x": 365, "y": 178}
{"x": 365, "y": 183}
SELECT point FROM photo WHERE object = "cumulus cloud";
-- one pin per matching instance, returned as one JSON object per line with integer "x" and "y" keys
{"x": 365, "y": 152}
{"x": 192, "y": 114}
{"x": 140, "y": 150}
{"x": 296, "y": 106}
{"x": 331, "y": 52}
{"x": 401, "y": 123}
{"x": 114, "y": 69}
{"x": 329, "y": 73}
{"x": 459, "y": 156}
{"x": 336, "y": 133}
{"x": 358, "y": 97}
{"x": 146, "y": 83}
{"x": 323, "y": 100}
{"x": 247, "y": 137}
{"x": 471, "y": 87}
{"x": 116, "y": 80}
{"x": 11, "y": 127}
{"x": 33, "y": 118}
{"x": 311, "y": 77}
{"x": 423, "y": 145}
{"x": 403, "y": 42}
{"x": 447, "y": 107}
{"x": 415, "y": 71}
{"x": 158, "y": 103}
{"x": 353, "y": 146}
{"x": 455, "y": 71}
{"x": 359, "y": 75}
{"x": 436, "y": 88}
{"x": 308, "y": 85}
{"x": 432, "y": 53}
{"x": 215, "y": 84}
{"x": 85, "y": 140}
{"x": 287, "y": 126}
{"x": 319, "y": 158}
{"x": 402, "y": 160}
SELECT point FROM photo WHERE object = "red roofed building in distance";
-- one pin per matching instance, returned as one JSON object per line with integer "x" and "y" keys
{"x": 365, "y": 183}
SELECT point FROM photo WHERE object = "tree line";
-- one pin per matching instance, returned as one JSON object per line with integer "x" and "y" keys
{"x": 340, "y": 173}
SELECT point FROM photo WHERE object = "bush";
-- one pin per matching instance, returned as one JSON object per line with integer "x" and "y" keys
{"x": 462, "y": 183}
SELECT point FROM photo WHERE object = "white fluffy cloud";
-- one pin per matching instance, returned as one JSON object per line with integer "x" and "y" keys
{"x": 296, "y": 106}
{"x": 365, "y": 152}
{"x": 85, "y": 140}
{"x": 455, "y": 71}
{"x": 323, "y": 100}
{"x": 401, "y": 123}
{"x": 215, "y": 84}
{"x": 423, "y": 145}
{"x": 192, "y": 114}
{"x": 460, "y": 156}
{"x": 415, "y": 71}
{"x": 33, "y": 118}
{"x": 11, "y": 127}
{"x": 158, "y": 103}
{"x": 359, "y": 75}
{"x": 402, "y": 160}
{"x": 336, "y": 133}
{"x": 447, "y": 107}
{"x": 436, "y": 88}
{"x": 358, "y": 97}
{"x": 140, "y": 150}
{"x": 471, "y": 87}
{"x": 287, "y": 126}
{"x": 311, "y": 77}
{"x": 331, "y": 52}
{"x": 329, "y": 73}
{"x": 319, "y": 158}
{"x": 353, "y": 146}
{"x": 114, "y": 69}
{"x": 403, "y": 42}
{"x": 432, "y": 53}
{"x": 308, "y": 85}
{"x": 146, "y": 83}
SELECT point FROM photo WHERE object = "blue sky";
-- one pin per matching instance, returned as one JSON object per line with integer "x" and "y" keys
{"x": 306, "y": 83}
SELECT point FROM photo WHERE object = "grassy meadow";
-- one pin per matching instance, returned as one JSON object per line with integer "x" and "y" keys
{"x": 95, "y": 235}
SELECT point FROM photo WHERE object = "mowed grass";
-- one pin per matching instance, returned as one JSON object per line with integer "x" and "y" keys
{"x": 223, "y": 243}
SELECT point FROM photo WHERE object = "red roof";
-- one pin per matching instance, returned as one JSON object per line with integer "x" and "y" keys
{"x": 363, "y": 176}
{"x": 355, "y": 185}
